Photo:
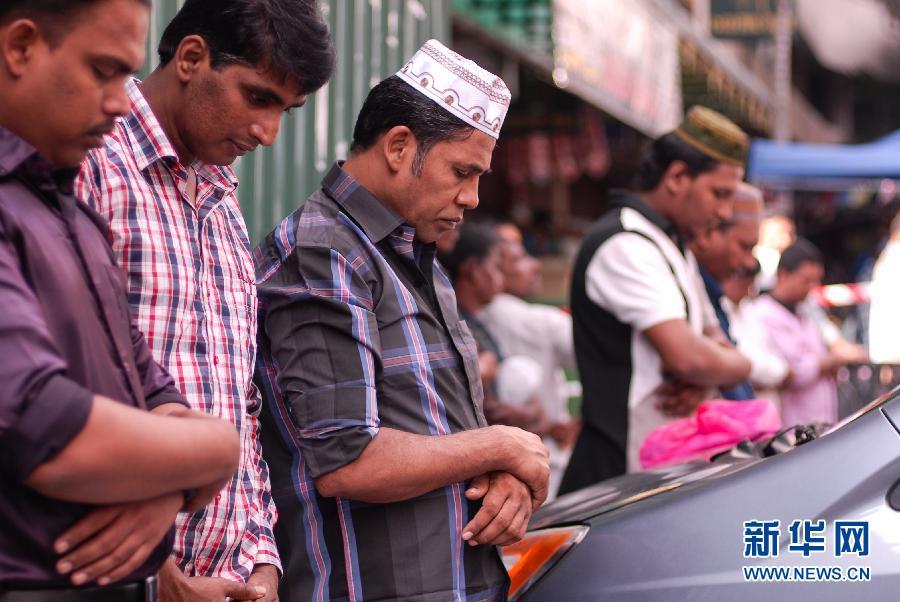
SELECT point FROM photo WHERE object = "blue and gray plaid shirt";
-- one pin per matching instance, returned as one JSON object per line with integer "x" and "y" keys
{"x": 359, "y": 329}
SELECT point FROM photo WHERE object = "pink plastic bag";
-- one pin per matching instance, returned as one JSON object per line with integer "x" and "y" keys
{"x": 716, "y": 425}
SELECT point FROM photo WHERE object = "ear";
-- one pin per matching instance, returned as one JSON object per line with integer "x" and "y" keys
{"x": 676, "y": 179}
{"x": 702, "y": 239}
{"x": 468, "y": 268}
{"x": 17, "y": 45}
{"x": 192, "y": 54}
{"x": 399, "y": 147}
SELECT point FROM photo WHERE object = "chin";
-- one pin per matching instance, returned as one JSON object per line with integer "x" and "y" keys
{"x": 216, "y": 157}
{"x": 223, "y": 161}
{"x": 72, "y": 160}
{"x": 427, "y": 237}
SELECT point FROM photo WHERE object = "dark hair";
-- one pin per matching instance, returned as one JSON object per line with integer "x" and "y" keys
{"x": 393, "y": 102}
{"x": 799, "y": 253}
{"x": 288, "y": 36}
{"x": 662, "y": 153}
{"x": 476, "y": 241}
{"x": 55, "y": 16}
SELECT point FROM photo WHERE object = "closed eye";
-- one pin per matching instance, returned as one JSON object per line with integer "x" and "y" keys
{"x": 257, "y": 100}
{"x": 468, "y": 171}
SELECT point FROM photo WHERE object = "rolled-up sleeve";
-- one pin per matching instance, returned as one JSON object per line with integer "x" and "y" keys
{"x": 41, "y": 410}
{"x": 324, "y": 337}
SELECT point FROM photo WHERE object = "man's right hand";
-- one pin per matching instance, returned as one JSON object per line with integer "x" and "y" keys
{"x": 174, "y": 586}
{"x": 527, "y": 459}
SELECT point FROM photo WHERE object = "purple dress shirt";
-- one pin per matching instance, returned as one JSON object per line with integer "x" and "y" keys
{"x": 65, "y": 335}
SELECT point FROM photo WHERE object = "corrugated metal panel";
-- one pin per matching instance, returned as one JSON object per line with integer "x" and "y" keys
{"x": 373, "y": 38}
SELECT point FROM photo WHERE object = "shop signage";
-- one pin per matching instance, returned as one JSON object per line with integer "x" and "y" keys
{"x": 742, "y": 19}
{"x": 625, "y": 52}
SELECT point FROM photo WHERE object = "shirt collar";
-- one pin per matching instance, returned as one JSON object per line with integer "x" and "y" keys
{"x": 149, "y": 142}
{"x": 624, "y": 198}
{"x": 713, "y": 288}
{"x": 13, "y": 152}
{"x": 375, "y": 218}
{"x": 791, "y": 307}
{"x": 18, "y": 155}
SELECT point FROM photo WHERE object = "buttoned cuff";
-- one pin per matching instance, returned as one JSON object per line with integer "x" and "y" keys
{"x": 52, "y": 418}
{"x": 267, "y": 552}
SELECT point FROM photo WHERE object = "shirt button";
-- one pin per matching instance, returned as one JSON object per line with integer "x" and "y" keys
{"x": 218, "y": 496}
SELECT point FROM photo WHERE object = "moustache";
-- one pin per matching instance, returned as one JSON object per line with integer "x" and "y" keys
{"x": 103, "y": 129}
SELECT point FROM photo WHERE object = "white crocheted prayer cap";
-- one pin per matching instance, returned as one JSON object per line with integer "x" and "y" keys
{"x": 459, "y": 85}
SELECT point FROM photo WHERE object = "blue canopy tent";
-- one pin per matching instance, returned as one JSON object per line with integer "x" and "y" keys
{"x": 823, "y": 166}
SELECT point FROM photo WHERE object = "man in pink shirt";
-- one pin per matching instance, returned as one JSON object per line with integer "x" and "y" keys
{"x": 810, "y": 394}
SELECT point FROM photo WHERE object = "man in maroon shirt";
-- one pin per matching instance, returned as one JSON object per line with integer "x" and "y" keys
{"x": 76, "y": 378}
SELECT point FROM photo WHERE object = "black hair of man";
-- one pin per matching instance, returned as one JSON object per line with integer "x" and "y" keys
{"x": 476, "y": 241}
{"x": 662, "y": 153}
{"x": 802, "y": 251}
{"x": 289, "y": 37}
{"x": 394, "y": 102}
{"x": 55, "y": 17}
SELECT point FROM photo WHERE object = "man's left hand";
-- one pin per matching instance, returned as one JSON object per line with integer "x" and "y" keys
{"x": 266, "y": 575}
{"x": 112, "y": 541}
{"x": 505, "y": 511}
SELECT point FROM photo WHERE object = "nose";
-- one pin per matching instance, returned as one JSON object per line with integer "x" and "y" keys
{"x": 749, "y": 262}
{"x": 468, "y": 194}
{"x": 115, "y": 99}
{"x": 266, "y": 128}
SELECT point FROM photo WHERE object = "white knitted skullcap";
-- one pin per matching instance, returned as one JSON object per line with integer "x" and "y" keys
{"x": 459, "y": 85}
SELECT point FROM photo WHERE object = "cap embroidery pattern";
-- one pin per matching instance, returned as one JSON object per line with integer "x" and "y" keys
{"x": 459, "y": 85}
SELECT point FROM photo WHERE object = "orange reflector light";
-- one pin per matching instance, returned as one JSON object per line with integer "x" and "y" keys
{"x": 529, "y": 559}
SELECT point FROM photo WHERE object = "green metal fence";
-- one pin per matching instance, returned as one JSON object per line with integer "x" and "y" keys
{"x": 373, "y": 38}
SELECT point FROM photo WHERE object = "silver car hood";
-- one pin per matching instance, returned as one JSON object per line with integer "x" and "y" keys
{"x": 582, "y": 505}
{"x": 579, "y": 506}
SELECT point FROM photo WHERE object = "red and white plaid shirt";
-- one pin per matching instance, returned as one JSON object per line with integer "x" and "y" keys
{"x": 191, "y": 287}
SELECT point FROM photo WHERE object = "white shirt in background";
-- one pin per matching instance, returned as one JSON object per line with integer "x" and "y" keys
{"x": 544, "y": 334}
{"x": 884, "y": 317}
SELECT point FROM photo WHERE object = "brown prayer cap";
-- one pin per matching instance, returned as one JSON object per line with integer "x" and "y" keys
{"x": 715, "y": 135}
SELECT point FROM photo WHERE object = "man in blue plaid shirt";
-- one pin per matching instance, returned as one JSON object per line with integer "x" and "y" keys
{"x": 388, "y": 481}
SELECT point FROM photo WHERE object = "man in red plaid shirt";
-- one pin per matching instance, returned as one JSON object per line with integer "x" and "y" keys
{"x": 229, "y": 70}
